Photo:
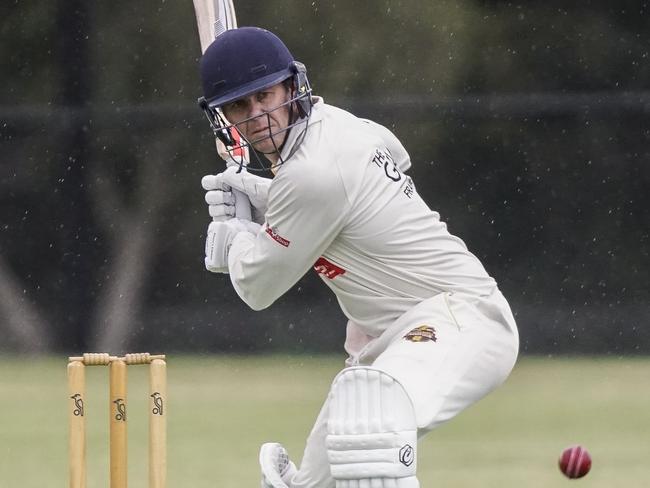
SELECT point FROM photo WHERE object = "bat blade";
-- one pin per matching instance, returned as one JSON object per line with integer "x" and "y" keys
{"x": 214, "y": 17}
{"x": 226, "y": 18}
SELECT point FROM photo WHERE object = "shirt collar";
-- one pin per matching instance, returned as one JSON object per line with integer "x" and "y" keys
{"x": 296, "y": 131}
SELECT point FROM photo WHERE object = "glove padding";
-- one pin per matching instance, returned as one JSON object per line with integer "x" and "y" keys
{"x": 220, "y": 199}
{"x": 255, "y": 187}
{"x": 219, "y": 239}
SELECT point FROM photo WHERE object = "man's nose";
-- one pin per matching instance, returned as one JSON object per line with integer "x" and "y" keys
{"x": 256, "y": 108}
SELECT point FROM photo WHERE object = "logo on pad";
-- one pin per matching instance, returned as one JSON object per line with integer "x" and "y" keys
{"x": 423, "y": 333}
{"x": 406, "y": 455}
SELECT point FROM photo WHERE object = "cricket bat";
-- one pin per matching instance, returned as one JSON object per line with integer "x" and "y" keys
{"x": 214, "y": 17}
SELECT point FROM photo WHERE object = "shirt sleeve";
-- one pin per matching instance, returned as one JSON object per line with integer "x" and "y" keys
{"x": 307, "y": 210}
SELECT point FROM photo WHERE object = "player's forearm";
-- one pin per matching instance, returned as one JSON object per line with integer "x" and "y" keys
{"x": 259, "y": 278}
{"x": 264, "y": 268}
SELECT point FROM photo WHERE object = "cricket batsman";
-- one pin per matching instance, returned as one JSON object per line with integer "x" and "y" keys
{"x": 428, "y": 332}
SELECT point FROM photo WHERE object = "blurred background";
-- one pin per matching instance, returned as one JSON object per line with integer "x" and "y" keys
{"x": 528, "y": 124}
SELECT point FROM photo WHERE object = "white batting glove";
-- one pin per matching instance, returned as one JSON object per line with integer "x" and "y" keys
{"x": 220, "y": 199}
{"x": 219, "y": 239}
{"x": 255, "y": 187}
{"x": 277, "y": 469}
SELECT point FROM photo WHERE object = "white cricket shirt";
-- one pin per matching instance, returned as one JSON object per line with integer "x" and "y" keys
{"x": 342, "y": 205}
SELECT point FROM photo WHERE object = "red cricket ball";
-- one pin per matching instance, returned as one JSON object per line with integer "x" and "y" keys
{"x": 575, "y": 462}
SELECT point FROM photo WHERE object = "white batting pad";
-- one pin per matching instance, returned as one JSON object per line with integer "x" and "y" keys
{"x": 372, "y": 431}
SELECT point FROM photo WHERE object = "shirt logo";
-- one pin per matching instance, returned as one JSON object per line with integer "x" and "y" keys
{"x": 277, "y": 237}
{"x": 423, "y": 333}
{"x": 383, "y": 159}
{"x": 327, "y": 269}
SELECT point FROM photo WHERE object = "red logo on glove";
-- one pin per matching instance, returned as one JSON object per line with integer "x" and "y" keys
{"x": 327, "y": 269}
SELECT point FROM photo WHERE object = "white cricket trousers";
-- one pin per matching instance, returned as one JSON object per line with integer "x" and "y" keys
{"x": 475, "y": 348}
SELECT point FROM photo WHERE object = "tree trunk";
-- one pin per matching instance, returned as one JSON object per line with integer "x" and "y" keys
{"x": 26, "y": 326}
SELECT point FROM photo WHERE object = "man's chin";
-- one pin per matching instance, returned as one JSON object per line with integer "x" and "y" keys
{"x": 266, "y": 147}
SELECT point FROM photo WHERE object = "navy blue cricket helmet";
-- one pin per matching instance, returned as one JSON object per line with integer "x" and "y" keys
{"x": 241, "y": 62}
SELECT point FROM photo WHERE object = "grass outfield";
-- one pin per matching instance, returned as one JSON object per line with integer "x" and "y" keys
{"x": 222, "y": 408}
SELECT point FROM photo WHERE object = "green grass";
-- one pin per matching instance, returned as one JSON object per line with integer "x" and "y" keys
{"x": 222, "y": 408}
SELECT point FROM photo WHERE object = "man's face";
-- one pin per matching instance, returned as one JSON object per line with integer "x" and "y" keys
{"x": 263, "y": 120}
